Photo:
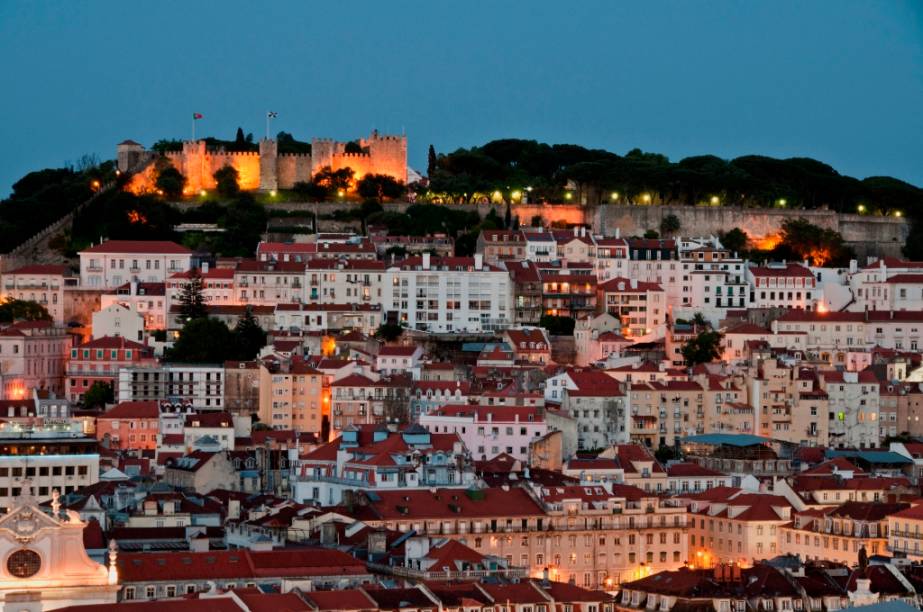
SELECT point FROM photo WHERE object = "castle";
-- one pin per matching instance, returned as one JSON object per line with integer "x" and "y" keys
{"x": 268, "y": 169}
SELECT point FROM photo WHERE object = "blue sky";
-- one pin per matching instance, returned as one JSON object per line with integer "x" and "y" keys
{"x": 839, "y": 81}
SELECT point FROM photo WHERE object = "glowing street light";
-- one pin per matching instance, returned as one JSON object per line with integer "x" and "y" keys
{"x": 898, "y": 213}
{"x": 568, "y": 196}
{"x": 861, "y": 208}
{"x": 203, "y": 193}
{"x": 272, "y": 193}
{"x": 516, "y": 195}
{"x": 340, "y": 193}
{"x": 95, "y": 185}
{"x": 782, "y": 202}
{"x": 715, "y": 200}
{"x": 646, "y": 198}
{"x": 614, "y": 196}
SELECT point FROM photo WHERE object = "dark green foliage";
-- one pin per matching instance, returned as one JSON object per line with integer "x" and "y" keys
{"x": 22, "y": 310}
{"x": 244, "y": 222}
{"x": 286, "y": 143}
{"x": 557, "y": 326}
{"x": 379, "y": 187}
{"x": 191, "y": 301}
{"x": 249, "y": 337}
{"x": 651, "y": 234}
{"x": 171, "y": 182}
{"x": 123, "y": 216}
{"x": 203, "y": 340}
{"x": 227, "y": 179}
{"x": 331, "y": 182}
{"x": 98, "y": 395}
{"x": 666, "y": 453}
{"x": 536, "y": 221}
{"x": 431, "y": 161}
{"x": 167, "y": 146}
{"x": 734, "y": 240}
{"x": 353, "y": 147}
{"x": 389, "y": 332}
{"x": 703, "y": 348}
{"x": 748, "y": 181}
{"x": 669, "y": 225}
{"x": 819, "y": 246}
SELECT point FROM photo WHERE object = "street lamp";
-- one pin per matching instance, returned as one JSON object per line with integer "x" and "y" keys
{"x": 272, "y": 193}
{"x": 898, "y": 213}
{"x": 715, "y": 200}
{"x": 614, "y": 196}
{"x": 646, "y": 198}
{"x": 568, "y": 195}
{"x": 861, "y": 208}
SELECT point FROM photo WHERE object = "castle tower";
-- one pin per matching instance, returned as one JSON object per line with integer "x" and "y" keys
{"x": 269, "y": 176}
{"x": 193, "y": 164}
{"x": 129, "y": 154}
{"x": 389, "y": 155}
{"x": 322, "y": 150}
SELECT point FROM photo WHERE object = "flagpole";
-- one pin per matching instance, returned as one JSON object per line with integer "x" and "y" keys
{"x": 193, "y": 127}
{"x": 267, "y": 125}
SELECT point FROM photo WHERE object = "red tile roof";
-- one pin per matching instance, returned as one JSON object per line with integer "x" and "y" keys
{"x": 161, "y": 247}
{"x": 133, "y": 410}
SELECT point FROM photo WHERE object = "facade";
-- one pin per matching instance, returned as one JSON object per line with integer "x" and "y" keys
{"x": 115, "y": 262}
{"x": 294, "y": 395}
{"x": 640, "y": 307}
{"x": 782, "y": 286}
{"x": 837, "y": 534}
{"x": 449, "y": 294}
{"x": 130, "y": 426}
{"x": 33, "y": 356}
{"x": 269, "y": 169}
{"x": 40, "y": 283}
{"x": 100, "y": 361}
{"x": 488, "y": 431}
{"x": 198, "y": 386}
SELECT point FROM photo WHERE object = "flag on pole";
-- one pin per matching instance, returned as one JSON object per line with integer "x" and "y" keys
{"x": 272, "y": 114}
{"x": 196, "y": 116}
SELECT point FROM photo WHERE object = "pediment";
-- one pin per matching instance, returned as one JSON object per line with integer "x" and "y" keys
{"x": 25, "y": 522}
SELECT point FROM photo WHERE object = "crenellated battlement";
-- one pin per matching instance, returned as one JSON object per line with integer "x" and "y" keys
{"x": 268, "y": 169}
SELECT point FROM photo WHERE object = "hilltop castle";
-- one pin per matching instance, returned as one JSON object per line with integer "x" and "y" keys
{"x": 268, "y": 169}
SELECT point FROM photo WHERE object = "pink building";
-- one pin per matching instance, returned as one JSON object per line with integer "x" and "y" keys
{"x": 488, "y": 431}
{"x": 32, "y": 356}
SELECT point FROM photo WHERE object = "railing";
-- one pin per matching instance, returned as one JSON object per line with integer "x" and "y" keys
{"x": 406, "y": 572}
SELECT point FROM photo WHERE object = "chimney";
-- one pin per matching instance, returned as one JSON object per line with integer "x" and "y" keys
{"x": 198, "y": 543}
{"x": 478, "y": 261}
{"x": 204, "y": 267}
{"x": 328, "y": 534}
{"x": 618, "y": 232}
{"x": 426, "y": 261}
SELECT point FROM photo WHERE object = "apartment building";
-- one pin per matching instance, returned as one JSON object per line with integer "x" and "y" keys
{"x": 786, "y": 285}
{"x": 488, "y": 431}
{"x": 41, "y": 283}
{"x": 100, "y": 360}
{"x": 33, "y": 355}
{"x": 200, "y": 386}
{"x": 449, "y": 294}
{"x": 853, "y": 408}
{"x": 640, "y": 306}
{"x": 115, "y": 262}
{"x": 359, "y": 399}
{"x": 130, "y": 426}
{"x": 344, "y": 281}
{"x": 294, "y": 395}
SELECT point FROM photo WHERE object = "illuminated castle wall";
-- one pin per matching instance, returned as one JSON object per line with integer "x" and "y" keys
{"x": 269, "y": 169}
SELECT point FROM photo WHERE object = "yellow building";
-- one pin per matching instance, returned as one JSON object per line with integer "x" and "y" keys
{"x": 293, "y": 395}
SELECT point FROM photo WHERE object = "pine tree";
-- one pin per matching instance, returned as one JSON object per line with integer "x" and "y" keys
{"x": 431, "y": 161}
{"x": 508, "y": 217}
{"x": 249, "y": 337}
{"x": 192, "y": 302}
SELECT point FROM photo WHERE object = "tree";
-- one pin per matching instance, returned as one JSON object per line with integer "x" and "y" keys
{"x": 669, "y": 225}
{"x": 171, "y": 182}
{"x": 734, "y": 240}
{"x": 379, "y": 186}
{"x": 98, "y": 395}
{"x": 353, "y": 147}
{"x": 431, "y": 161}
{"x": 204, "y": 340}
{"x": 389, "y": 332}
{"x": 226, "y": 180}
{"x": 249, "y": 337}
{"x": 699, "y": 320}
{"x": 244, "y": 222}
{"x": 536, "y": 221}
{"x": 191, "y": 300}
{"x": 331, "y": 182}
{"x": 703, "y": 348}
{"x": 557, "y": 326}
{"x": 309, "y": 191}
{"x": 508, "y": 217}
{"x": 22, "y": 310}
{"x": 820, "y": 246}
{"x": 651, "y": 234}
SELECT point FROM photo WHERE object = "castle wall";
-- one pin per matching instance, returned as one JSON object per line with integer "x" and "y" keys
{"x": 199, "y": 165}
{"x": 292, "y": 169}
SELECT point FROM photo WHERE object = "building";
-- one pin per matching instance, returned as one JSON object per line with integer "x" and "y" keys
{"x": 33, "y": 356}
{"x": 358, "y": 399}
{"x": 600, "y": 408}
{"x": 54, "y": 455}
{"x": 100, "y": 361}
{"x": 448, "y": 294}
{"x": 378, "y": 459}
{"x": 118, "y": 320}
{"x": 294, "y": 395}
{"x": 640, "y": 307}
{"x": 41, "y": 283}
{"x": 115, "y": 262}
{"x": 129, "y": 426}
{"x": 199, "y": 386}
{"x": 398, "y": 358}
{"x": 488, "y": 431}
{"x": 788, "y": 285}
{"x": 147, "y": 299}
{"x": 268, "y": 168}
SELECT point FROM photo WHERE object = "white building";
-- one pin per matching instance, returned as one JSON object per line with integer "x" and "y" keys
{"x": 118, "y": 320}
{"x": 115, "y": 262}
{"x": 854, "y": 403}
{"x": 200, "y": 386}
{"x": 786, "y": 285}
{"x": 326, "y": 317}
{"x": 488, "y": 431}
{"x": 343, "y": 281}
{"x": 449, "y": 294}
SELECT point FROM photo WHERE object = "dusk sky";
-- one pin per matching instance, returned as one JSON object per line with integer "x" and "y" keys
{"x": 838, "y": 81}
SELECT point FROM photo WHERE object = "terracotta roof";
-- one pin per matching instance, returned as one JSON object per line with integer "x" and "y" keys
{"x": 56, "y": 270}
{"x": 789, "y": 270}
{"x": 133, "y": 410}
{"x": 161, "y": 247}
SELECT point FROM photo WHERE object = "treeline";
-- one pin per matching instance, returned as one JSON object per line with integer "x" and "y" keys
{"x": 596, "y": 175}
{"x": 42, "y": 197}
{"x": 241, "y": 143}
